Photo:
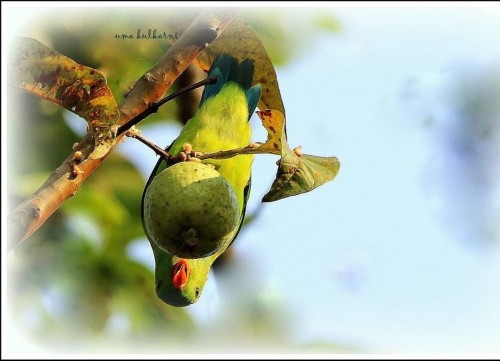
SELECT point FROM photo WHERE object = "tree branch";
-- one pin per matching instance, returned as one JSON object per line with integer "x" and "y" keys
{"x": 188, "y": 102}
{"x": 64, "y": 182}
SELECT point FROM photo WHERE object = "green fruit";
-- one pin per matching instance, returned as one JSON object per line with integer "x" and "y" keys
{"x": 190, "y": 210}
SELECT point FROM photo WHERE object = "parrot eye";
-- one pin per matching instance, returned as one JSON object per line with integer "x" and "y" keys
{"x": 196, "y": 292}
{"x": 158, "y": 284}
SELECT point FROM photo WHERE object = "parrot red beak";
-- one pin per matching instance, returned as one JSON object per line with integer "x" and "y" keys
{"x": 181, "y": 274}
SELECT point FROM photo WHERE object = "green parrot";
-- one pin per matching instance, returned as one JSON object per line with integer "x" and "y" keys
{"x": 220, "y": 123}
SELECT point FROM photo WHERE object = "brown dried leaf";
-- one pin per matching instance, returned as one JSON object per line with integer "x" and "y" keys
{"x": 78, "y": 88}
{"x": 240, "y": 40}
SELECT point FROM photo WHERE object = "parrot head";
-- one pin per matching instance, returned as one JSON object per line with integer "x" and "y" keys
{"x": 180, "y": 282}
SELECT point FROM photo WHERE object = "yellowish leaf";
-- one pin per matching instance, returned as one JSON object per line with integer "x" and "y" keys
{"x": 274, "y": 122}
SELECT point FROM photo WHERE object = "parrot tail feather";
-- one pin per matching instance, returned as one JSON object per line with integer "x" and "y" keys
{"x": 253, "y": 96}
{"x": 226, "y": 68}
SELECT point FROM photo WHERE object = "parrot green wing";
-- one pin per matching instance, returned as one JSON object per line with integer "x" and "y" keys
{"x": 220, "y": 123}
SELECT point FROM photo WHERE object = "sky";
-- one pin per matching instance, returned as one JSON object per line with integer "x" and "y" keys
{"x": 389, "y": 272}
{"x": 419, "y": 288}
{"x": 384, "y": 257}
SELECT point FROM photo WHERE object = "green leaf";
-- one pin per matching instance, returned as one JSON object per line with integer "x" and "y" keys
{"x": 80, "y": 89}
{"x": 301, "y": 174}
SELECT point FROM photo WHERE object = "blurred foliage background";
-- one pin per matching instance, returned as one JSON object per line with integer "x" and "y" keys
{"x": 76, "y": 282}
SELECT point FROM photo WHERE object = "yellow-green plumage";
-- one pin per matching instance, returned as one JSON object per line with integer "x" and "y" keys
{"x": 221, "y": 123}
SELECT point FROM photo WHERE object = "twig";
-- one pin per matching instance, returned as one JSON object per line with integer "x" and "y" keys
{"x": 249, "y": 149}
{"x": 153, "y": 107}
{"x": 159, "y": 151}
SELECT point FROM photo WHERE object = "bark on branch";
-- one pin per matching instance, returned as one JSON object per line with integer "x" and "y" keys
{"x": 64, "y": 182}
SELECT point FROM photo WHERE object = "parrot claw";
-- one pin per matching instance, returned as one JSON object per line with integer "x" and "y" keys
{"x": 190, "y": 153}
{"x": 187, "y": 148}
{"x": 187, "y": 154}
